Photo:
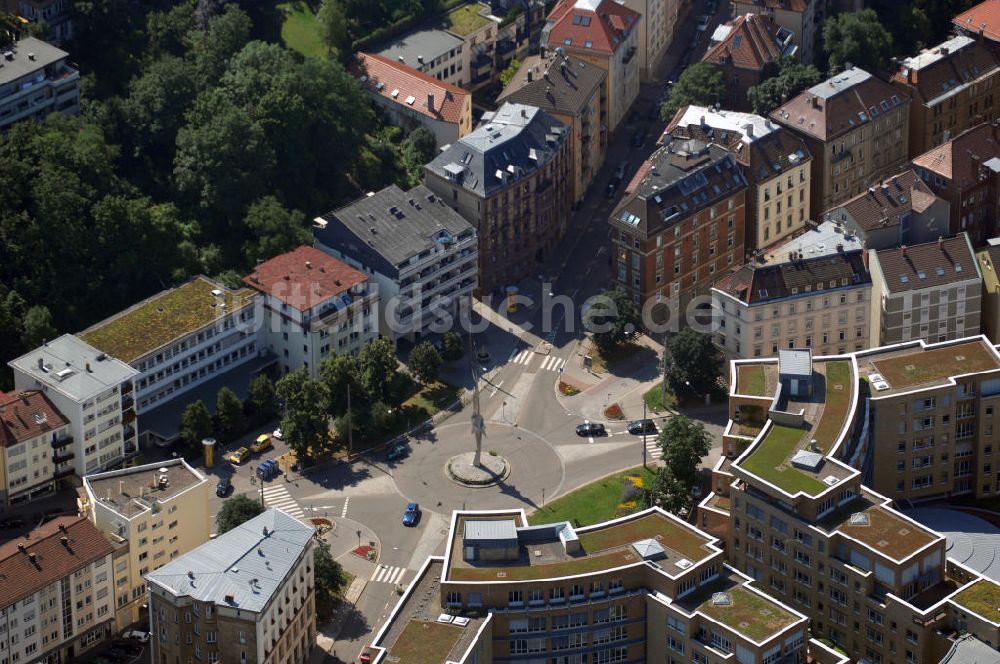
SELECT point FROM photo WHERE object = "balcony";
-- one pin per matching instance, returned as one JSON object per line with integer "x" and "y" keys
{"x": 59, "y": 443}
{"x": 63, "y": 472}
{"x": 482, "y": 63}
{"x": 127, "y": 402}
{"x": 58, "y": 458}
{"x": 505, "y": 46}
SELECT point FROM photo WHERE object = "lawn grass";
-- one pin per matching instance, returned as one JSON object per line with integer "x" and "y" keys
{"x": 424, "y": 643}
{"x": 466, "y": 19}
{"x": 654, "y": 400}
{"x": 933, "y": 365}
{"x": 982, "y": 598}
{"x": 750, "y": 380}
{"x": 300, "y": 30}
{"x": 838, "y": 401}
{"x": 775, "y": 450}
{"x": 591, "y": 503}
{"x": 750, "y": 614}
{"x": 673, "y": 536}
{"x": 430, "y": 399}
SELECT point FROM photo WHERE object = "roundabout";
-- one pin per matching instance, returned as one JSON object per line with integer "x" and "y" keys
{"x": 492, "y": 469}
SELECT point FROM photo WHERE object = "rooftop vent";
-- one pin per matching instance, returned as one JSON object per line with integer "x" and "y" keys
{"x": 830, "y": 480}
{"x": 684, "y": 563}
{"x": 722, "y": 599}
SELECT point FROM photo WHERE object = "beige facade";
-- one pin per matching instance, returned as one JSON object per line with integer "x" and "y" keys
{"x": 159, "y": 511}
{"x": 35, "y": 440}
{"x": 782, "y": 204}
{"x": 656, "y": 30}
{"x": 989, "y": 263}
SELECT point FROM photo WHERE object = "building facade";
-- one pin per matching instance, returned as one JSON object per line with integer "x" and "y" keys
{"x": 930, "y": 291}
{"x": 178, "y": 340}
{"x": 604, "y": 33}
{"x": 800, "y": 17}
{"x": 753, "y": 44}
{"x": 95, "y": 394}
{"x": 776, "y": 163}
{"x": 37, "y": 447}
{"x": 856, "y": 127}
{"x": 679, "y": 226}
{"x": 310, "y": 304}
{"x": 57, "y": 603}
{"x": 989, "y": 263}
{"x": 821, "y": 303}
{"x": 36, "y": 80}
{"x": 510, "y": 178}
{"x": 158, "y": 511}
{"x": 247, "y": 596}
{"x": 572, "y": 91}
{"x": 656, "y": 31}
{"x": 56, "y": 14}
{"x": 422, "y": 255}
{"x": 952, "y": 86}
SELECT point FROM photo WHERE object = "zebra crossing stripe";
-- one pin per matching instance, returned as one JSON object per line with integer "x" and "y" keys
{"x": 388, "y": 574}
{"x": 343, "y": 512}
{"x": 524, "y": 357}
{"x": 652, "y": 446}
{"x": 277, "y": 496}
{"x": 553, "y": 363}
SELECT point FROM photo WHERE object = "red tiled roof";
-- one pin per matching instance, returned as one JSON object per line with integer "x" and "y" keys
{"x": 602, "y": 23}
{"x": 798, "y": 6}
{"x": 935, "y": 73}
{"x": 751, "y": 44}
{"x": 384, "y": 76}
{"x": 304, "y": 278}
{"x": 982, "y": 19}
{"x": 959, "y": 158}
{"x": 53, "y": 558}
{"x": 25, "y": 415}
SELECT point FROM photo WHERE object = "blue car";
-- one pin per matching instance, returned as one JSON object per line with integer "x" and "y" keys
{"x": 411, "y": 515}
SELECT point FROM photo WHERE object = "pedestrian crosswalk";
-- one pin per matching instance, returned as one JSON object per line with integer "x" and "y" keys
{"x": 388, "y": 574}
{"x": 276, "y": 495}
{"x": 549, "y": 362}
{"x": 653, "y": 451}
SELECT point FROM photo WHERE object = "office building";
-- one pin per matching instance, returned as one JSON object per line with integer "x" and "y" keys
{"x": 36, "y": 80}
{"x": 421, "y": 254}
{"x": 802, "y": 18}
{"x": 930, "y": 291}
{"x": 95, "y": 394}
{"x": 247, "y": 596}
{"x": 510, "y": 178}
{"x": 36, "y": 443}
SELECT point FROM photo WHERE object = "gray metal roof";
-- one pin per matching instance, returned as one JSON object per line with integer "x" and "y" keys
{"x": 516, "y": 141}
{"x": 839, "y": 83}
{"x": 248, "y": 563}
{"x": 420, "y": 215}
{"x": 794, "y": 362}
{"x": 20, "y": 65}
{"x": 970, "y": 650}
{"x": 492, "y": 529}
{"x": 429, "y": 43}
{"x": 73, "y": 367}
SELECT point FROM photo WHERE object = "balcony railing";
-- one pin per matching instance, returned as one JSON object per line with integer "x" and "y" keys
{"x": 62, "y": 442}
{"x": 63, "y": 472}
{"x": 63, "y": 457}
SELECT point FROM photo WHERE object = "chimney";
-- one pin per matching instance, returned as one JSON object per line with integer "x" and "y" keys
{"x": 864, "y": 259}
{"x": 33, "y": 558}
{"x": 902, "y": 250}
{"x": 121, "y": 487}
{"x": 265, "y": 531}
{"x": 88, "y": 367}
{"x": 41, "y": 363}
{"x": 943, "y": 50}
{"x": 309, "y": 265}
{"x": 62, "y": 527}
{"x": 814, "y": 100}
{"x": 20, "y": 547}
{"x": 430, "y": 102}
{"x": 65, "y": 541}
{"x": 940, "y": 243}
{"x": 531, "y": 75}
{"x": 748, "y": 129}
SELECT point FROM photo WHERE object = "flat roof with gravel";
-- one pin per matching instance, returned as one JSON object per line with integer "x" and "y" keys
{"x": 916, "y": 366}
{"x": 982, "y": 598}
{"x": 748, "y": 613}
{"x": 886, "y": 531}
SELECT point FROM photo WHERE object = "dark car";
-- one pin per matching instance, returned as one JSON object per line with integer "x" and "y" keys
{"x": 223, "y": 488}
{"x": 397, "y": 452}
{"x": 411, "y": 515}
{"x": 12, "y": 522}
{"x": 611, "y": 190}
{"x": 642, "y": 427}
{"x": 638, "y": 138}
{"x": 591, "y": 429}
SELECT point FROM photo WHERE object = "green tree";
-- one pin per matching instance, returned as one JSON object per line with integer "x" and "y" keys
{"x": 9, "y": 28}
{"x": 418, "y": 149}
{"x": 229, "y": 412}
{"x": 329, "y": 580}
{"x": 792, "y": 77}
{"x": 701, "y": 84}
{"x": 381, "y": 416}
{"x": 612, "y": 318}
{"x": 273, "y": 229}
{"x": 452, "y": 346}
{"x": 196, "y": 425}
{"x": 695, "y": 363}
{"x": 425, "y": 362}
{"x": 166, "y": 31}
{"x": 305, "y": 425}
{"x": 377, "y": 365}
{"x": 684, "y": 442}
{"x": 667, "y": 491}
{"x": 102, "y": 41}
{"x": 333, "y": 27}
{"x": 262, "y": 400}
{"x": 858, "y": 38}
{"x": 223, "y": 37}
{"x": 340, "y": 373}
{"x": 508, "y": 74}
{"x": 37, "y": 327}
{"x": 236, "y": 511}
{"x": 346, "y": 426}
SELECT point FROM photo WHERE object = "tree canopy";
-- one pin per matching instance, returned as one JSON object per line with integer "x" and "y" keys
{"x": 235, "y": 511}
{"x": 613, "y": 318}
{"x": 306, "y": 425}
{"x": 425, "y": 362}
{"x": 328, "y": 579}
{"x": 701, "y": 84}
{"x": 858, "y": 38}
{"x": 684, "y": 442}
{"x": 791, "y": 78}
{"x": 695, "y": 363}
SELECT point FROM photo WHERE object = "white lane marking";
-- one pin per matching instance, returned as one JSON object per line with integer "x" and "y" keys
{"x": 512, "y": 354}
{"x": 524, "y": 357}
{"x": 590, "y": 440}
{"x": 388, "y": 574}
{"x": 495, "y": 388}
{"x": 343, "y": 512}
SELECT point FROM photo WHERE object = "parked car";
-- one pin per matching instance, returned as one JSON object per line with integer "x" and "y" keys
{"x": 611, "y": 190}
{"x": 137, "y": 635}
{"x": 642, "y": 427}
{"x": 223, "y": 488}
{"x": 277, "y": 434}
{"x": 638, "y": 138}
{"x": 239, "y": 456}
{"x": 366, "y": 655}
{"x": 262, "y": 444}
{"x": 620, "y": 171}
{"x": 703, "y": 21}
{"x": 411, "y": 515}
{"x": 397, "y": 452}
{"x": 591, "y": 429}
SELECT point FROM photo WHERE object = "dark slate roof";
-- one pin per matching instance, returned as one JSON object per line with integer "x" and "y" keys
{"x": 559, "y": 83}
{"x": 928, "y": 265}
{"x": 510, "y": 144}
{"x": 937, "y": 73}
{"x": 758, "y": 284}
{"x": 883, "y": 204}
{"x": 399, "y": 224}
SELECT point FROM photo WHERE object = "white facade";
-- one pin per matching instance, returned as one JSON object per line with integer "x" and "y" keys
{"x": 41, "y": 83}
{"x": 656, "y": 29}
{"x": 31, "y": 463}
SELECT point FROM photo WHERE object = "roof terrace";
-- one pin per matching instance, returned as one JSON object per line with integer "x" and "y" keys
{"x": 879, "y": 527}
{"x": 917, "y": 366}
{"x": 728, "y": 601}
{"x": 982, "y": 598}
{"x": 466, "y": 19}
{"x": 756, "y": 379}
{"x": 134, "y": 491}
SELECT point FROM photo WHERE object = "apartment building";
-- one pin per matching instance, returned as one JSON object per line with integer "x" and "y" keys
{"x": 776, "y": 163}
{"x": 158, "y": 511}
{"x": 311, "y": 304}
{"x": 679, "y": 226}
{"x": 56, "y": 14}
{"x": 36, "y": 80}
{"x": 56, "y": 599}
{"x": 899, "y": 210}
{"x": 821, "y": 303}
{"x": 790, "y": 501}
{"x": 604, "y": 33}
{"x": 752, "y": 44}
{"x": 982, "y": 22}
{"x": 572, "y": 91}
{"x": 421, "y": 254}
{"x": 952, "y": 87}
{"x": 802, "y": 18}
{"x": 415, "y": 99}
{"x": 989, "y": 264}
{"x": 178, "y": 340}
{"x": 964, "y": 171}
{"x": 510, "y": 178}
{"x": 658, "y": 18}
{"x": 559, "y": 593}
{"x": 246, "y": 596}
{"x": 856, "y": 127}
{"x": 931, "y": 291}
{"x": 95, "y": 394}
{"x": 432, "y": 51}
{"x": 35, "y": 437}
